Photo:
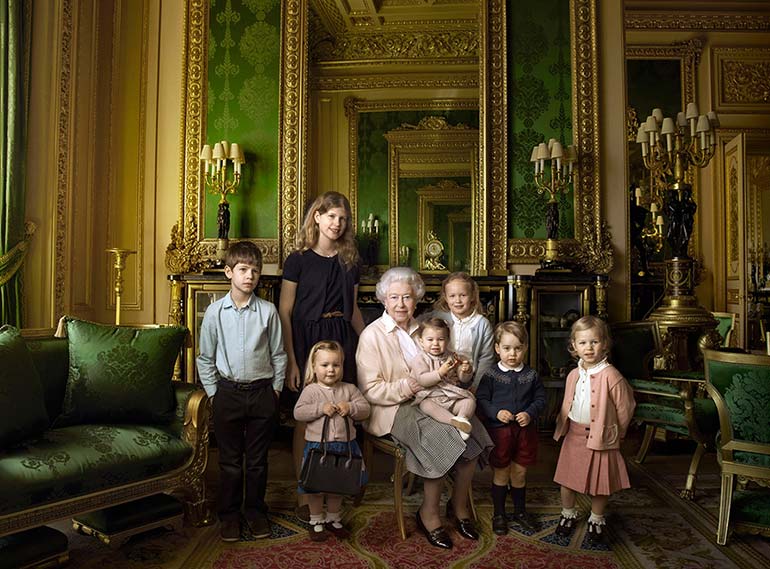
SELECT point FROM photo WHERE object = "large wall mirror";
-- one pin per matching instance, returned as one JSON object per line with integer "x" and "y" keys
{"x": 534, "y": 68}
{"x": 657, "y": 77}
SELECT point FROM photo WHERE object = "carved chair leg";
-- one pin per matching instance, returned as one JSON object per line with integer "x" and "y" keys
{"x": 368, "y": 453}
{"x": 649, "y": 434}
{"x": 398, "y": 485}
{"x": 692, "y": 474}
{"x": 725, "y": 501}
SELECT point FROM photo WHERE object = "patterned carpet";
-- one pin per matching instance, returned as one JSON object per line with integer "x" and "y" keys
{"x": 650, "y": 526}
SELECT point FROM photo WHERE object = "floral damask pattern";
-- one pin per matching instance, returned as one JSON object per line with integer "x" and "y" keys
{"x": 539, "y": 99}
{"x": 748, "y": 399}
{"x": 243, "y": 107}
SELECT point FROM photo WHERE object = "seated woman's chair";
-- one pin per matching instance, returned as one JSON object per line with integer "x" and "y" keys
{"x": 664, "y": 399}
{"x": 740, "y": 386}
{"x": 725, "y": 325}
{"x": 403, "y": 481}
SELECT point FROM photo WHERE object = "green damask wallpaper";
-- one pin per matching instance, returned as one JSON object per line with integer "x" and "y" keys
{"x": 539, "y": 108}
{"x": 242, "y": 106}
{"x": 373, "y": 166}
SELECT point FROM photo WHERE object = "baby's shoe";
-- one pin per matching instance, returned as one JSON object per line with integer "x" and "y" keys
{"x": 335, "y": 527}
{"x": 462, "y": 424}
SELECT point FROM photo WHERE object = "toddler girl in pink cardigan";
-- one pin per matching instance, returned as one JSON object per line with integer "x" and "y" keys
{"x": 597, "y": 409}
{"x": 325, "y": 395}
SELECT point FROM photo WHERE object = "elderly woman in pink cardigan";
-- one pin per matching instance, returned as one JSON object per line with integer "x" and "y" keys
{"x": 384, "y": 348}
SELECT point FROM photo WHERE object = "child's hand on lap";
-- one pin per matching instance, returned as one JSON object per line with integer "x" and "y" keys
{"x": 523, "y": 419}
{"x": 504, "y": 416}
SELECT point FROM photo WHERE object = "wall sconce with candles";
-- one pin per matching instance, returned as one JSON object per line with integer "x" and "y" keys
{"x": 669, "y": 150}
{"x": 222, "y": 183}
{"x": 553, "y": 157}
{"x": 370, "y": 242}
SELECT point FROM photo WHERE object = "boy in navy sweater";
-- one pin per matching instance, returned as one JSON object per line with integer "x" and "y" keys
{"x": 511, "y": 397}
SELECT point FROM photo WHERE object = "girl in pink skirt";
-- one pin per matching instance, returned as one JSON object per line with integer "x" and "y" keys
{"x": 597, "y": 408}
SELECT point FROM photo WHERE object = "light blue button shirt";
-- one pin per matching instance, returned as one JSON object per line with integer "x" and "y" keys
{"x": 241, "y": 344}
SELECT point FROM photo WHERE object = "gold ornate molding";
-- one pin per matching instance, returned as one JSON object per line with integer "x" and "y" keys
{"x": 63, "y": 159}
{"x": 461, "y": 80}
{"x": 697, "y": 22}
{"x": 742, "y": 77}
{"x": 407, "y": 45}
{"x": 589, "y": 232}
{"x": 443, "y": 192}
{"x": 293, "y": 108}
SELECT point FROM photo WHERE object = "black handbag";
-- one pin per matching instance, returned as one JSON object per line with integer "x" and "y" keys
{"x": 336, "y": 473}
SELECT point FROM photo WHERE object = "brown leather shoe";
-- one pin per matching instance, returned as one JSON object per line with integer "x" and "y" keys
{"x": 259, "y": 526}
{"x": 230, "y": 530}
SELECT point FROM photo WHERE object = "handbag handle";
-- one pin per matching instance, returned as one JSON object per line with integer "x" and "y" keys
{"x": 347, "y": 434}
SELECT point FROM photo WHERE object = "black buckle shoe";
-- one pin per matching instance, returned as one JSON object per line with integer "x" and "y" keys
{"x": 500, "y": 524}
{"x": 465, "y": 527}
{"x": 525, "y": 521}
{"x": 437, "y": 537}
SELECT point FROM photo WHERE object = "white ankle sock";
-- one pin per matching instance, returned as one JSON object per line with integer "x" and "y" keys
{"x": 597, "y": 519}
{"x": 569, "y": 513}
{"x": 335, "y": 519}
{"x": 317, "y": 522}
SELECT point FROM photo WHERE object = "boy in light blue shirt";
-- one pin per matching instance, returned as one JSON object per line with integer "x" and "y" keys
{"x": 242, "y": 365}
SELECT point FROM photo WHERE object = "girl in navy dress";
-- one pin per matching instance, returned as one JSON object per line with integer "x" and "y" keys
{"x": 318, "y": 298}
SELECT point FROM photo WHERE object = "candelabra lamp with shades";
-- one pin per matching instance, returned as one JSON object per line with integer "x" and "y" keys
{"x": 553, "y": 174}
{"x": 222, "y": 181}
{"x": 671, "y": 149}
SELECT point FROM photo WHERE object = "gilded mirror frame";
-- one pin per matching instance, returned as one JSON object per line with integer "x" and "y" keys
{"x": 354, "y": 106}
{"x": 591, "y": 243}
{"x": 188, "y": 250}
{"x": 432, "y": 149}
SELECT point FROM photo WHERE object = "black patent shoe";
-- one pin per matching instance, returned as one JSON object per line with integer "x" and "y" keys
{"x": 566, "y": 526}
{"x": 465, "y": 527}
{"x": 596, "y": 533}
{"x": 500, "y": 524}
{"x": 437, "y": 537}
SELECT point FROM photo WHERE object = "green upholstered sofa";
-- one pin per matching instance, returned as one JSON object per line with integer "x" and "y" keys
{"x": 69, "y": 470}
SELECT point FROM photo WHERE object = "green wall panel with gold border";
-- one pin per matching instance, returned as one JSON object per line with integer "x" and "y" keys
{"x": 539, "y": 94}
{"x": 243, "y": 107}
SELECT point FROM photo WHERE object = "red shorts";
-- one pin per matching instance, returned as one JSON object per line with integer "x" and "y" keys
{"x": 513, "y": 443}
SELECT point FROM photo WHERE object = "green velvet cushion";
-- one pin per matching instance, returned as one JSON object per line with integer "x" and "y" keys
{"x": 51, "y": 359}
{"x": 120, "y": 374}
{"x": 22, "y": 405}
{"x": 82, "y": 459}
{"x": 654, "y": 386}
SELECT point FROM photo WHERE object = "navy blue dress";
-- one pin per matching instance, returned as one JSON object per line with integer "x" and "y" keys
{"x": 323, "y": 287}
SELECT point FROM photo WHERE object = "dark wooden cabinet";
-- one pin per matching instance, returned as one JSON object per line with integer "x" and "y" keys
{"x": 548, "y": 303}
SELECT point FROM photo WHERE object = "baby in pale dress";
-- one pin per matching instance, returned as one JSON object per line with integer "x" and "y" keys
{"x": 444, "y": 377}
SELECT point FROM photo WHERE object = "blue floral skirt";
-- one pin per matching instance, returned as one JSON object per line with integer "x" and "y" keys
{"x": 336, "y": 447}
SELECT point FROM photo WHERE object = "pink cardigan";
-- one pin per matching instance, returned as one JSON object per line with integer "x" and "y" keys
{"x": 612, "y": 406}
{"x": 309, "y": 409}
{"x": 383, "y": 375}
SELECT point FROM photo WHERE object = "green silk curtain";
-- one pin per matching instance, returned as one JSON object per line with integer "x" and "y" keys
{"x": 15, "y": 30}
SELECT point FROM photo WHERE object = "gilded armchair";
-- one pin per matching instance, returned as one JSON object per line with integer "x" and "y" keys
{"x": 740, "y": 386}
{"x": 671, "y": 401}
